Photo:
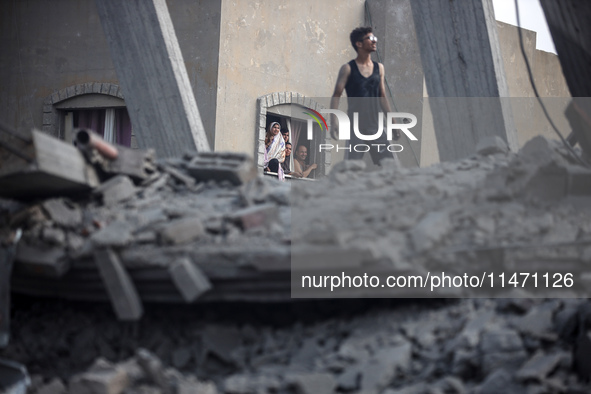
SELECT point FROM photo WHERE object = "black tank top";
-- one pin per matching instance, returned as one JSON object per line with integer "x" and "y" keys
{"x": 363, "y": 97}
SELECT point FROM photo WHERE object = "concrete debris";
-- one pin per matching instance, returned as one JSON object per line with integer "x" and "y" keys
{"x": 62, "y": 212}
{"x": 115, "y": 190}
{"x": 208, "y": 223}
{"x": 490, "y": 145}
{"x": 182, "y": 231}
{"x": 121, "y": 290}
{"x": 189, "y": 279}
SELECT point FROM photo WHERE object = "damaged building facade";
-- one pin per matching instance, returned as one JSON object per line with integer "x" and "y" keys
{"x": 245, "y": 61}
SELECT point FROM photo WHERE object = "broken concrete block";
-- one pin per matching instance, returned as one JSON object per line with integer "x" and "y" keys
{"x": 256, "y": 216}
{"x": 100, "y": 380}
{"x": 311, "y": 383}
{"x": 54, "y": 236}
{"x": 46, "y": 261}
{"x": 538, "y": 323}
{"x": 55, "y": 386}
{"x": 381, "y": 369}
{"x": 500, "y": 381}
{"x": 501, "y": 348}
{"x": 116, "y": 189}
{"x": 117, "y": 234}
{"x": 153, "y": 368}
{"x": 430, "y": 230}
{"x": 124, "y": 297}
{"x": 189, "y": 279}
{"x": 63, "y": 212}
{"x": 548, "y": 183}
{"x": 579, "y": 181}
{"x": 539, "y": 366}
{"x": 181, "y": 357}
{"x": 181, "y": 231}
{"x": 237, "y": 168}
{"x": 193, "y": 386}
{"x": 179, "y": 176}
{"x": 349, "y": 380}
{"x": 221, "y": 341}
{"x": 490, "y": 145}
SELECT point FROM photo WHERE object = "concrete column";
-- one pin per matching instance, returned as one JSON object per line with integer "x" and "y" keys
{"x": 464, "y": 74}
{"x": 153, "y": 76}
{"x": 399, "y": 53}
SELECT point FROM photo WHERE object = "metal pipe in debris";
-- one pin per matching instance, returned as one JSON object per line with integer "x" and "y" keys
{"x": 86, "y": 139}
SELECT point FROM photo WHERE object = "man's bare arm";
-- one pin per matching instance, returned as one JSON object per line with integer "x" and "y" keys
{"x": 344, "y": 73}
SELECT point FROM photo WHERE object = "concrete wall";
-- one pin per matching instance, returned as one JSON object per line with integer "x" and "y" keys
{"x": 272, "y": 46}
{"x": 399, "y": 52}
{"x": 527, "y": 113}
{"x": 48, "y": 46}
{"x": 548, "y": 77}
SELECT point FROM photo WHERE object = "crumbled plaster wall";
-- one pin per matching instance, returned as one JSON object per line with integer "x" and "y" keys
{"x": 276, "y": 46}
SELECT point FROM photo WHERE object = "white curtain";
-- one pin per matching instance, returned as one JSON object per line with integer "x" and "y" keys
{"x": 109, "y": 134}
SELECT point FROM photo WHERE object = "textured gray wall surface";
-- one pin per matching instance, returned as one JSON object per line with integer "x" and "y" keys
{"x": 48, "y": 46}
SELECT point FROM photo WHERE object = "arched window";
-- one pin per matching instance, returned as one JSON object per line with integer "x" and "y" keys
{"x": 288, "y": 108}
{"x": 96, "y": 106}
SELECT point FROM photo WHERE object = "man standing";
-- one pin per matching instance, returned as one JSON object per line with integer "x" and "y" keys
{"x": 300, "y": 168}
{"x": 363, "y": 80}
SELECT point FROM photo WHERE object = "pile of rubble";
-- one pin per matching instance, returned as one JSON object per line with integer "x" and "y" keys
{"x": 193, "y": 230}
{"x": 467, "y": 346}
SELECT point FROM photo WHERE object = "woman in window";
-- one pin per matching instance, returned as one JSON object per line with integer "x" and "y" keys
{"x": 274, "y": 149}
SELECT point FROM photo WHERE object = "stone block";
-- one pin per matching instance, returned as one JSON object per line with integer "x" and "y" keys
{"x": 500, "y": 382}
{"x": 70, "y": 91}
{"x": 115, "y": 190}
{"x": 179, "y": 176}
{"x": 80, "y": 89}
{"x": 116, "y": 234}
{"x": 311, "y": 383}
{"x": 105, "y": 88}
{"x": 431, "y": 229}
{"x": 113, "y": 90}
{"x": 256, "y": 216}
{"x": 501, "y": 348}
{"x": 101, "y": 379}
{"x": 55, "y": 386}
{"x": 538, "y": 366}
{"x": 181, "y": 231}
{"x": 188, "y": 279}
{"x": 381, "y": 369}
{"x": 121, "y": 290}
{"x": 236, "y": 168}
{"x": 44, "y": 261}
{"x": 490, "y": 145}
{"x": 96, "y": 87}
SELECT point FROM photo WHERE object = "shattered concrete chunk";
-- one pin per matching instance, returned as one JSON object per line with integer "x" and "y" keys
{"x": 500, "y": 381}
{"x": 221, "y": 341}
{"x": 189, "y": 279}
{"x": 116, "y": 234}
{"x": 63, "y": 212}
{"x": 115, "y": 190}
{"x": 380, "y": 370}
{"x": 237, "y": 168}
{"x": 55, "y": 386}
{"x": 311, "y": 383}
{"x": 490, "y": 145}
{"x": 42, "y": 260}
{"x": 101, "y": 379}
{"x": 431, "y": 229}
{"x": 122, "y": 293}
{"x": 54, "y": 236}
{"x": 501, "y": 348}
{"x": 181, "y": 231}
{"x": 256, "y": 216}
{"x": 538, "y": 366}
